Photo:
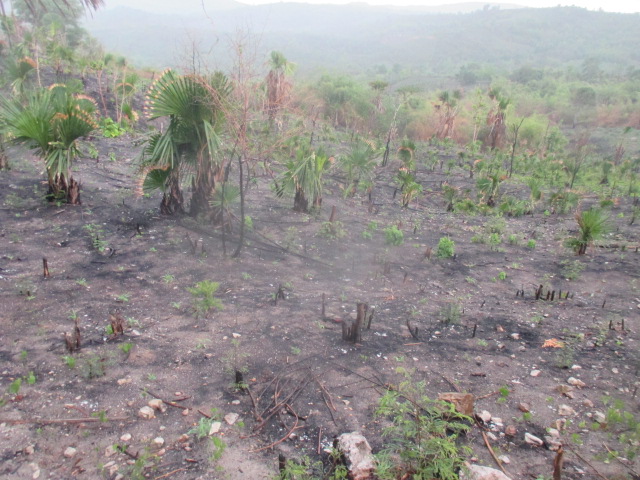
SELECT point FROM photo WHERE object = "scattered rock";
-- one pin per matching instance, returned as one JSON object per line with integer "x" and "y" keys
{"x": 29, "y": 449}
{"x": 565, "y": 390}
{"x": 110, "y": 451}
{"x": 236, "y": 335}
{"x": 124, "y": 381}
{"x": 511, "y": 430}
{"x": 504, "y": 459}
{"x": 533, "y": 440}
{"x": 231, "y": 418}
{"x": 146, "y": 412}
{"x": 587, "y": 403}
{"x": 463, "y": 402}
{"x": 485, "y": 416}
{"x": 70, "y": 452}
{"x": 600, "y": 417}
{"x": 553, "y": 432}
{"x": 357, "y": 452}
{"x": 524, "y": 407}
{"x": 158, "y": 441}
{"x": 566, "y": 411}
{"x": 215, "y": 427}
{"x": 515, "y": 336}
{"x": 575, "y": 382}
{"x": 553, "y": 443}
{"x": 534, "y": 373}
{"x": 477, "y": 472}
{"x": 235, "y": 402}
{"x": 157, "y": 404}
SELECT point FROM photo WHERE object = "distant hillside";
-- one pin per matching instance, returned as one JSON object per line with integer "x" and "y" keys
{"x": 354, "y": 38}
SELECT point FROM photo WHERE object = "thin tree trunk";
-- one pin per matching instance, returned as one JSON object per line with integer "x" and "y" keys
{"x": 236, "y": 254}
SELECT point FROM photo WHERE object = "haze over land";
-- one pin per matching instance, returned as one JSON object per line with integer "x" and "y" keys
{"x": 361, "y": 39}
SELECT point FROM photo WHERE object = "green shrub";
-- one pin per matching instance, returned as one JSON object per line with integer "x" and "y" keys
{"x": 111, "y": 129}
{"x": 332, "y": 230}
{"x": 393, "y": 235}
{"x": 446, "y": 248}
{"x": 203, "y": 299}
{"x": 421, "y": 441}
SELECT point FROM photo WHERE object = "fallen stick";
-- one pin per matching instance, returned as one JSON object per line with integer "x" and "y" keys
{"x": 168, "y": 402}
{"x": 620, "y": 461}
{"x": 493, "y": 454}
{"x": 64, "y": 420}
{"x": 587, "y": 463}
{"x": 295, "y": 426}
{"x": 170, "y": 473}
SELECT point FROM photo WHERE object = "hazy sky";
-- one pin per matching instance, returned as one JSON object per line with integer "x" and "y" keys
{"x": 627, "y": 6}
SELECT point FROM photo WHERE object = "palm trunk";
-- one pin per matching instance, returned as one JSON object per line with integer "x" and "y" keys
{"x": 300, "y": 202}
{"x": 172, "y": 201}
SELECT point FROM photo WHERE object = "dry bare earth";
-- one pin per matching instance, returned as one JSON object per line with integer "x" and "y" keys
{"x": 331, "y": 386}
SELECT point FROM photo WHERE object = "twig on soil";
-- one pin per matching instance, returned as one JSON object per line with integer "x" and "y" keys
{"x": 620, "y": 461}
{"x": 168, "y": 402}
{"x": 170, "y": 473}
{"x": 64, "y": 420}
{"x": 493, "y": 454}
{"x": 319, "y": 441}
{"x": 587, "y": 463}
{"x": 488, "y": 395}
{"x": 291, "y": 430}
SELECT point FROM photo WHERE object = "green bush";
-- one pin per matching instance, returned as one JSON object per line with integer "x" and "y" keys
{"x": 203, "y": 299}
{"x": 446, "y": 248}
{"x": 421, "y": 441}
{"x": 393, "y": 236}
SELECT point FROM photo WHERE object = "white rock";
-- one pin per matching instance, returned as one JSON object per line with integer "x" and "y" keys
{"x": 158, "y": 441}
{"x": 126, "y": 437}
{"x": 533, "y": 440}
{"x": 566, "y": 411}
{"x": 70, "y": 452}
{"x": 357, "y": 452}
{"x": 534, "y": 373}
{"x": 236, "y": 335}
{"x": 157, "y": 404}
{"x": 146, "y": 412}
{"x": 215, "y": 427}
{"x": 600, "y": 417}
{"x": 576, "y": 382}
{"x": 485, "y": 416}
{"x": 477, "y": 472}
{"x": 504, "y": 459}
{"x": 553, "y": 432}
{"x": 554, "y": 444}
{"x": 231, "y": 418}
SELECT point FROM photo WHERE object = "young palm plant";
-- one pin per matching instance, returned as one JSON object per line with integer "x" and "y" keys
{"x": 359, "y": 165}
{"x": 51, "y": 121}
{"x": 593, "y": 224}
{"x": 303, "y": 178}
{"x": 189, "y": 146}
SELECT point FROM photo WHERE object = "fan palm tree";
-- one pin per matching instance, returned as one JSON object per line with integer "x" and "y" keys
{"x": 51, "y": 122}
{"x": 303, "y": 177}
{"x": 277, "y": 85}
{"x": 190, "y": 144}
{"x": 359, "y": 165}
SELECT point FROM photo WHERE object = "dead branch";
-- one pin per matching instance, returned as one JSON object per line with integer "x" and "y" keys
{"x": 55, "y": 421}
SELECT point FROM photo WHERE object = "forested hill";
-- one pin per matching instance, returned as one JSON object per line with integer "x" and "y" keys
{"x": 358, "y": 38}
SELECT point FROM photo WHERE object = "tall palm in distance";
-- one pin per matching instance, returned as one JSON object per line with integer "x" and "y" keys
{"x": 276, "y": 82}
